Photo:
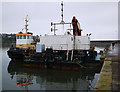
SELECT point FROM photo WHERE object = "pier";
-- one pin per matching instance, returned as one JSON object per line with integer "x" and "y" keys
{"x": 109, "y": 78}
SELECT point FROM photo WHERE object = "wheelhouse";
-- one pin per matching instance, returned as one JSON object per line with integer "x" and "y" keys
{"x": 24, "y": 38}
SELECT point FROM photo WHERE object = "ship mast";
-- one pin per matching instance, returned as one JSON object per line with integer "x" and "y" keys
{"x": 62, "y": 21}
{"x": 26, "y": 24}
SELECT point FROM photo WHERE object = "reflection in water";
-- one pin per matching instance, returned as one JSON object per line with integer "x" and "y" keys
{"x": 24, "y": 81}
{"x": 53, "y": 79}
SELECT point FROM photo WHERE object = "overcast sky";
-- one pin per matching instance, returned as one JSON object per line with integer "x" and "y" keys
{"x": 98, "y": 18}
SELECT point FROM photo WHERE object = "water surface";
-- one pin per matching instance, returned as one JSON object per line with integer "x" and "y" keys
{"x": 44, "y": 79}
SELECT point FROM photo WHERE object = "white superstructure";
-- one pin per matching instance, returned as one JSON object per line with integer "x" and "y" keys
{"x": 65, "y": 42}
{"x": 69, "y": 41}
{"x": 24, "y": 38}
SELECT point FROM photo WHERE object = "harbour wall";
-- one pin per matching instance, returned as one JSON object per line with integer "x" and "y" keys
{"x": 105, "y": 79}
{"x": 103, "y": 43}
{"x": 109, "y": 78}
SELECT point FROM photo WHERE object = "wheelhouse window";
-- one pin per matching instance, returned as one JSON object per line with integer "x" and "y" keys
{"x": 17, "y": 37}
{"x": 31, "y": 37}
{"x": 20, "y": 36}
{"x": 27, "y": 37}
{"x": 24, "y": 36}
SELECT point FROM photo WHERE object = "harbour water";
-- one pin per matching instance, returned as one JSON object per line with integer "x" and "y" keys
{"x": 17, "y": 77}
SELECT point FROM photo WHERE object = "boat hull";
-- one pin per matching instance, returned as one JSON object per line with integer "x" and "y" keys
{"x": 53, "y": 65}
{"x": 15, "y": 54}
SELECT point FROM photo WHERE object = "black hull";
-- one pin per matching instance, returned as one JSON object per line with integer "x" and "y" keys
{"x": 15, "y": 54}
{"x": 50, "y": 59}
{"x": 61, "y": 65}
{"x": 68, "y": 65}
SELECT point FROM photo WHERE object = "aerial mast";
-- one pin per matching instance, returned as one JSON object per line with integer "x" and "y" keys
{"x": 62, "y": 21}
{"x": 26, "y": 24}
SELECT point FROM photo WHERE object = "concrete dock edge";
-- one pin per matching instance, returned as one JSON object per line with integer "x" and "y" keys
{"x": 105, "y": 79}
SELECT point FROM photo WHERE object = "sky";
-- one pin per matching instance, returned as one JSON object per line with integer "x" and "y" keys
{"x": 98, "y": 18}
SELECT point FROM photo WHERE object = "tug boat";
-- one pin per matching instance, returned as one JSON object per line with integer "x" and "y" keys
{"x": 67, "y": 51}
{"x": 24, "y": 45}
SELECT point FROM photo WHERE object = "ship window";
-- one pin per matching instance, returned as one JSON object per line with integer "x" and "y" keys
{"x": 17, "y": 37}
{"x": 20, "y": 36}
{"x": 27, "y": 37}
{"x": 24, "y": 37}
{"x": 31, "y": 37}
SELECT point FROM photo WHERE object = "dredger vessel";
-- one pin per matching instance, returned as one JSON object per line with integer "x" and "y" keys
{"x": 67, "y": 51}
